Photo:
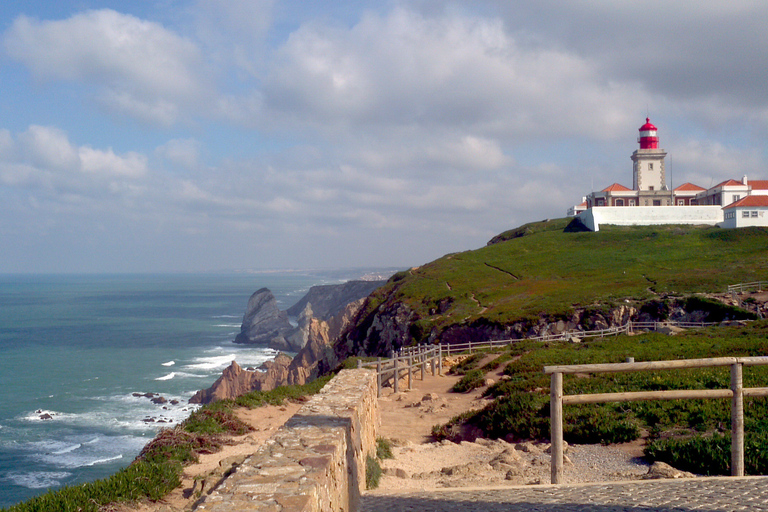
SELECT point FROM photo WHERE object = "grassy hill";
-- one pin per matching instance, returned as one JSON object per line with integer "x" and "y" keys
{"x": 543, "y": 269}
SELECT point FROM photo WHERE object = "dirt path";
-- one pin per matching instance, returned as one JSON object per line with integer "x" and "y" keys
{"x": 407, "y": 419}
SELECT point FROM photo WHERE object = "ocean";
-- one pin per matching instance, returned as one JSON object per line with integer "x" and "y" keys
{"x": 79, "y": 355}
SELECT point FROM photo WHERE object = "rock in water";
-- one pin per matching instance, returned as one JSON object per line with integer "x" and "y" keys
{"x": 263, "y": 321}
{"x": 235, "y": 381}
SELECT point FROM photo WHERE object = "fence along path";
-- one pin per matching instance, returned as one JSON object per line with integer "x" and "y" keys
{"x": 736, "y": 393}
{"x": 406, "y": 361}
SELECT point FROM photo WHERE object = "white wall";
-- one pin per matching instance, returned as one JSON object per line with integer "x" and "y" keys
{"x": 651, "y": 215}
{"x": 739, "y": 221}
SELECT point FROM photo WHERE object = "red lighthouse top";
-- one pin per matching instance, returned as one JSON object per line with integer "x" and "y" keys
{"x": 648, "y": 138}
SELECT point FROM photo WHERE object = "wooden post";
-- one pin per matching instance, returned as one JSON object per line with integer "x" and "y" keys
{"x": 423, "y": 359}
{"x": 378, "y": 377}
{"x": 556, "y": 427}
{"x": 359, "y": 364}
{"x": 434, "y": 361}
{"x": 440, "y": 358}
{"x": 397, "y": 376}
{"x": 470, "y": 347}
{"x": 410, "y": 372}
{"x": 737, "y": 421}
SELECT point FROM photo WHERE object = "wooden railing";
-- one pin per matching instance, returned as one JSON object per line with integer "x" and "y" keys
{"x": 735, "y": 393}
{"x": 404, "y": 361}
{"x": 741, "y": 287}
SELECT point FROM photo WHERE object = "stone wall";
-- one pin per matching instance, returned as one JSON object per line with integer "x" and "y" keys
{"x": 316, "y": 461}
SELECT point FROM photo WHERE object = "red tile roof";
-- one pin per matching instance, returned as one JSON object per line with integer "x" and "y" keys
{"x": 689, "y": 187}
{"x": 617, "y": 188}
{"x": 729, "y": 183}
{"x": 758, "y": 184}
{"x": 749, "y": 201}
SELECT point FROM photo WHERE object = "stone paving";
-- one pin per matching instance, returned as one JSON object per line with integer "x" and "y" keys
{"x": 702, "y": 494}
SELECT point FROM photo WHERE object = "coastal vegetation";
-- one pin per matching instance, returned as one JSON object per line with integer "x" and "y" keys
{"x": 544, "y": 270}
{"x": 692, "y": 435}
{"x": 157, "y": 469}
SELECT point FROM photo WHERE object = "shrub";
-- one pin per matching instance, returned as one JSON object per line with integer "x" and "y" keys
{"x": 472, "y": 379}
{"x": 372, "y": 472}
{"x": 524, "y": 415}
{"x": 383, "y": 449}
{"x": 467, "y": 364}
{"x": 595, "y": 424}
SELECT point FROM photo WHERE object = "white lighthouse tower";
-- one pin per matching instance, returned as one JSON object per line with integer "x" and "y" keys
{"x": 648, "y": 161}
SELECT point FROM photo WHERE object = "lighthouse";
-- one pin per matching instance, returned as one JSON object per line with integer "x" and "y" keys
{"x": 648, "y": 138}
{"x": 648, "y": 175}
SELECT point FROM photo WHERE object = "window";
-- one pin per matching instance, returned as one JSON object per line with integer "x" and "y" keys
{"x": 753, "y": 214}
{"x": 745, "y": 214}
{"x": 735, "y": 198}
{"x": 681, "y": 202}
{"x": 650, "y": 167}
{"x": 631, "y": 202}
{"x": 600, "y": 202}
{"x": 656, "y": 202}
{"x": 619, "y": 202}
{"x": 650, "y": 188}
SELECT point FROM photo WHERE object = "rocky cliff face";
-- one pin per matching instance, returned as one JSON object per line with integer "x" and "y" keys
{"x": 235, "y": 381}
{"x": 328, "y": 301}
{"x": 263, "y": 321}
{"x": 316, "y": 358}
{"x": 264, "y": 324}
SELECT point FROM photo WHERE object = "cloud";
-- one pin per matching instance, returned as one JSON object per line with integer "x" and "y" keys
{"x": 139, "y": 67}
{"x": 233, "y": 31}
{"x": 406, "y": 69}
{"x": 183, "y": 152}
{"x": 44, "y": 155}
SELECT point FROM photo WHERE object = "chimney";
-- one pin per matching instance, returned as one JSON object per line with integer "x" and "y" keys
{"x": 744, "y": 180}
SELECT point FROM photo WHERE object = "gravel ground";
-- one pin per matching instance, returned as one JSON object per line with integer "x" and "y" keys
{"x": 485, "y": 462}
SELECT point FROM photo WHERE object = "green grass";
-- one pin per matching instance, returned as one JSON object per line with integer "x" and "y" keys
{"x": 551, "y": 272}
{"x": 679, "y": 430}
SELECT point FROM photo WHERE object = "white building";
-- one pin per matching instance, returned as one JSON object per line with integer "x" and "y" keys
{"x": 749, "y": 211}
{"x": 654, "y": 203}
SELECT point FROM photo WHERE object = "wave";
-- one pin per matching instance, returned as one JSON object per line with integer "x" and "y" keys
{"x": 67, "y": 449}
{"x": 37, "y": 479}
{"x": 169, "y": 363}
{"x": 182, "y": 375}
{"x": 104, "y": 461}
{"x": 211, "y": 363}
{"x": 226, "y": 316}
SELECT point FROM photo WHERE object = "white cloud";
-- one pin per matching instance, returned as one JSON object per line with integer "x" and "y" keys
{"x": 140, "y": 67}
{"x": 407, "y": 69}
{"x": 107, "y": 163}
{"x": 184, "y": 152}
{"x": 45, "y": 154}
{"x": 49, "y": 148}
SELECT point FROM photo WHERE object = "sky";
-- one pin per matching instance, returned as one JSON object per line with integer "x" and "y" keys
{"x": 231, "y": 135}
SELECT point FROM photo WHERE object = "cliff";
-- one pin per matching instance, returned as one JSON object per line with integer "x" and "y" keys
{"x": 547, "y": 278}
{"x": 262, "y": 321}
{"x": 264, "y": 324}
{"x": 328, "y": 300}
{"x": 316, "y": 358}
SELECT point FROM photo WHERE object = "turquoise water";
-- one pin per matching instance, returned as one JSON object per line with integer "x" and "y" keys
{"x": 74, "y": 351}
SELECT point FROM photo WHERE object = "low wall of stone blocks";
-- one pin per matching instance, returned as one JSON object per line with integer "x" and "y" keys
{"x": 316, "y": 461}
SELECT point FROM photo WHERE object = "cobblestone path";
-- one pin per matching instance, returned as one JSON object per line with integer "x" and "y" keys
{"x": 701, "y": 494}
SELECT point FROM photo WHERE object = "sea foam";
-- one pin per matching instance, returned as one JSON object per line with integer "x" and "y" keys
{"x": 37, "y": 479}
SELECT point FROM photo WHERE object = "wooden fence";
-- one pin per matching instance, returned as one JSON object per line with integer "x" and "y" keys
{"x": 405, "y": 361}
{"x": 742, "y": 287}
{"x": 735, "y": 393}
